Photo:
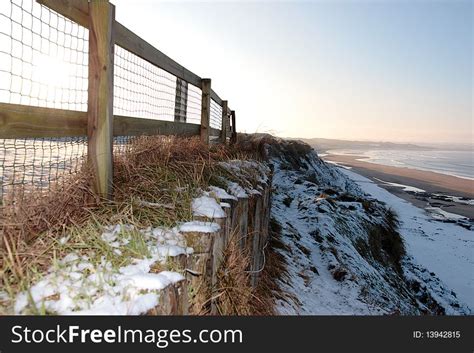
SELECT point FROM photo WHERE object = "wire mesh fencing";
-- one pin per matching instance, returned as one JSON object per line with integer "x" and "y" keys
{"x": 44, "y": 62}
{"x": 141, "y": 89}
{"x": 43, "y": 57}
{"x": 34, "y": 164}
{"x": 215, "y": 120}
{"x": 194, "y": 103}
{"x": 121, "y": 143}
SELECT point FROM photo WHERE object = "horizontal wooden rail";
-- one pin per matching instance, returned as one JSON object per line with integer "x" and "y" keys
{"x": 76, "y": 10}
{"x": 98, "y": 125}
{"x": 124, "y": 126}
{"x": 21, "y": 121}
{"x": 216, "y": 98}
{"x": 214, "y": 132}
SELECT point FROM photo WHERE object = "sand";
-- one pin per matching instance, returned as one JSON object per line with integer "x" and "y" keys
{"x": 432, "y": 183}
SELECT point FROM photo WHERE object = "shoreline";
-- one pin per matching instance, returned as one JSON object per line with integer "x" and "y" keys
{"x": 436, "y": 186}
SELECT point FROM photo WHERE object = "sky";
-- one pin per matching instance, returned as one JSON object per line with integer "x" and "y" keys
{"x": 384, "y": 70}
{"x": 370, "y": 70}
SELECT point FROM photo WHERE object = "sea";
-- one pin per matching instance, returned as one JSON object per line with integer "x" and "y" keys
{"x": 459, "y": 163}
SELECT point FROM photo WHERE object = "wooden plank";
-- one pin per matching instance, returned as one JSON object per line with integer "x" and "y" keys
{"x": 101, "y": 93}
{"x": 131, "y": 42}
{"x": 216, "y": 98}
{"x": 233, "y": 137}
{"x": 180, "y": 100}
{"x": 128, "y": 126}
{"x": 205, "y": 109}
{"x": 225, "y": 117}
{"x": 22, "y": 121}
{"x": 214, "y": 132}
{"x": 76, "y": 10}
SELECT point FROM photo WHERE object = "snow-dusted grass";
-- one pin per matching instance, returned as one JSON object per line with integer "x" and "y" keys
{"x": 114, "y": 277}
{"x": 157, "y": 181}
{"x": 241, "y": 178}
{"x": 114, "y": 270}
{"x": 113, "y": 257}
{"x": 310, "y": 277}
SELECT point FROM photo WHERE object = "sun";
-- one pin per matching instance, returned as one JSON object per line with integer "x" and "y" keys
{"x": 51, "y": 71}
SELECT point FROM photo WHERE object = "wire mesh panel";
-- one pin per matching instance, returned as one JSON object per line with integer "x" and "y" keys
{"x": 180, "y": 107}
{"x": 33, "y": 164}
{"x": 121, "y": 143}
{"x": 43, "y": 57}
{"x": 44, "y": 63}
{"x": 194, "y": 101}
{"x": 216, "y": 115}
{"x": 141, "y": 89}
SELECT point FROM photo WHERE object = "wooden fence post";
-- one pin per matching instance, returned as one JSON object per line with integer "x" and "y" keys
{"x": 233, "y": 138}
{"x": 100, "y": 103}
{"x": 180, "y": 101}
{"x": 205, "y": 109}
{"x": 225, "y": 118}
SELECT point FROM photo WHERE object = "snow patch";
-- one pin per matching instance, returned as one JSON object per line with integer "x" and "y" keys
{"x": 221, "y": 193}
{"x": 237, "y": 190}
{"x": 75, "y": 285}
{"x": 198, "y": 226}
{"x": 206, "y": 206}
{"x": 402, "y": 186}
{"x": 442, "y": 215}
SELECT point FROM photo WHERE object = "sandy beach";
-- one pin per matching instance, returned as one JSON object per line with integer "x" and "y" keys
{"x": 432, "y": 183}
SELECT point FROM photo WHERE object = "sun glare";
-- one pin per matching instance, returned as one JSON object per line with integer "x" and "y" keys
{"x": 51, "y": 71}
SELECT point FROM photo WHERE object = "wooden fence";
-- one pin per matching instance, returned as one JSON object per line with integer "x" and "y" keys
{"x": 99, "y": 123}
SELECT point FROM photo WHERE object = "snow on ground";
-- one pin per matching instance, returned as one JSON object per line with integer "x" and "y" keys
{"x": 442, "y": 215}
{"x": 463, "y": 200}
{"x": 310, "y": 279}
{"x": 329, "y": 230}
{"x": 76, "y": 285}
{"x": 237, "y": 190}
{"x": 402, "y": 186}
{"x": 312, "y": 265}
{"x": 443, "y": 248}
{"x": 250, "y": 174}
{"x": 80, "y": 285}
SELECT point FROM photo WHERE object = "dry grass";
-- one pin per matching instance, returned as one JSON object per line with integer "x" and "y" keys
{"x": 155, "y": 179}
{"x": 23, "y": 253}
{"x": 268, "y": 289}
{"x": 385, "y": 242}
{"x": 233, "y": 292}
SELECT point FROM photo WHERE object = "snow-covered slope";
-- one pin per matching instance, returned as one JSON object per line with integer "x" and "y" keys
{"x": 447, "y": 249}
{"x": 342, "y": 246}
